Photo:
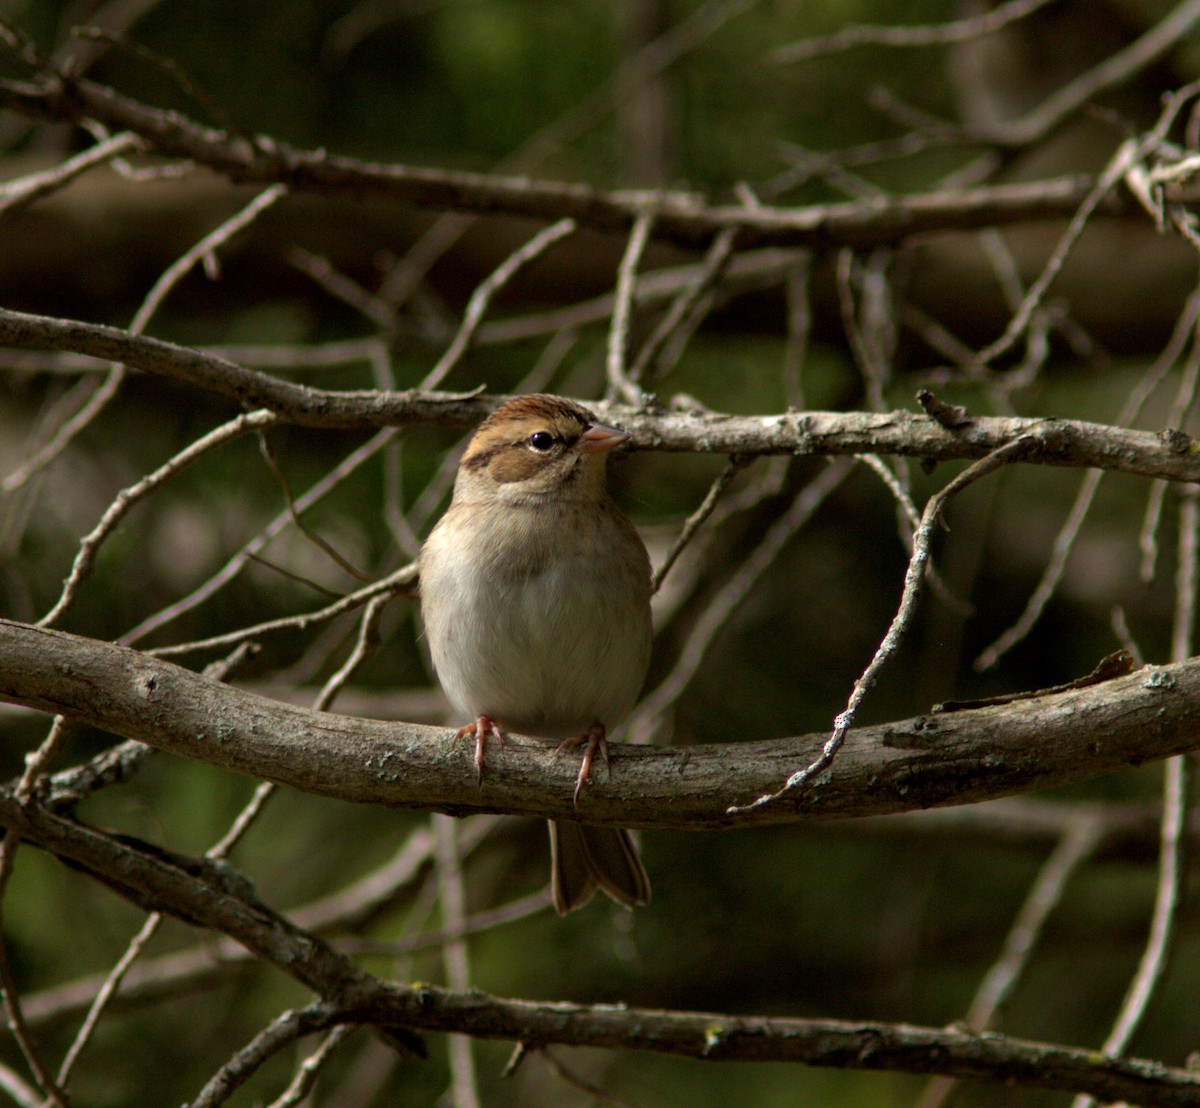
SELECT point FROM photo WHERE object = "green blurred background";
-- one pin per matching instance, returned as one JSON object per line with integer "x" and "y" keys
{"x": 885, "y": 923}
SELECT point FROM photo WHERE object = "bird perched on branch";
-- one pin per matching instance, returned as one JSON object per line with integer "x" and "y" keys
{"x": 535, "y": 592}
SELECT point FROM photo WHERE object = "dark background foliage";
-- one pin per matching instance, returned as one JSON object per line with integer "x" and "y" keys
{"x": 882, "y": 922}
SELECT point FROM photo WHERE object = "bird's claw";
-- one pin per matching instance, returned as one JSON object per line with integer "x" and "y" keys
{"x": 483, "y": 728}
{"x": 595, "y": 738}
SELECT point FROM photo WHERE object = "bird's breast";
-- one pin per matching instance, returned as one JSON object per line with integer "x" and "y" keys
{"x": 548, "y": 642}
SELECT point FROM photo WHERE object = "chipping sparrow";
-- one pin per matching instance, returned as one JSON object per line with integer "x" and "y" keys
{"x": 535, "y": 592}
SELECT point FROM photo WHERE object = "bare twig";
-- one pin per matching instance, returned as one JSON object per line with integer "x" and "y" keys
{"x": 1078, "y": 443}
{"x": 1184, "y": 397}
{"x": 799, "y": 328}
{"x": 235, "y": 564}
{"x": 128, "y": 497}
{"x": 602, "y": 1096}
{"x": 481, "y": 298}
{"x": 308, "y": 1071}
{"x": 281, "y": 1033}
{"x": 401, "y": 581}
{"x": 22, "y": 1033}
{"x": 22, "y": 1094}
{"x": 620, "y": 384}
{"x": 921, "y": 551}
{"x": 1114, "y": 70}
{"x": 1176, "y": 801}
{"x": 681, "y": 217}
{"x": 20, "y": 193}
{"x": 1127, "y": 155}
{"x": 938, "y": 34}
{"x": 344, "y": 288}
{"x": 870, "y": 330}
{"x": 643, "y": 721}
{"x": 471, "y": 925}
{"x": 453, "y": 896}
{"x": 354, "y": 997}
{"x": 676, "y": 316}
{"x": 1077, "y": 844}
{"x": 696, "y": 520}
{"x": 171, "y": 277}
{"x": 368, "y": 640}
{"x": 623, "y": 84}
{"x": 107, "y": 991}
{"x": 1065, "y": 540}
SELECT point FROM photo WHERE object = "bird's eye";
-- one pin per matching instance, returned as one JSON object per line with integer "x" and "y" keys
{"x": 541, "y": 440}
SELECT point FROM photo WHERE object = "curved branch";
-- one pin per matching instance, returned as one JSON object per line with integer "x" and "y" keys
{"x": 954, "y": 757}
{"x": 844, "y": 1044}
{"x": 201, "y": 893}
{"x": 681, "y": 217}
{"x": 1168, "y": 454}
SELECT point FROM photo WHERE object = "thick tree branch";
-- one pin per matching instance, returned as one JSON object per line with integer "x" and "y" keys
{"x": 198, "y": 891}
{"x": 953, "y": 757}
{"x": 684, "y": 218}
{"x": 844, "y": 1044}
{"x": 204, "y": 894}
{"x": 1169, "y": 454}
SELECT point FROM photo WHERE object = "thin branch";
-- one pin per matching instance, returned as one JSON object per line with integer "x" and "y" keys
{"x": 22, "y": 1094}
{"x": 799, "y": 329}
{"x": 364, "y": 647}
{"x": 251, "y": 548}
{"x": 170, "y": 277}
{"x": 921, "y": 551}
{"x": 18, "y": 194}
{"x": 620, "y": 384}
{"x": 107, "y": 991}
{"x": 1065, "y": 442}
{"x": 1113, "y": 71}
{"x": 204, "y": 893}
{"x": 1127, "y": 155}
{"x": 937, "y": 34}
{"x": 1176, "y": 805}
{"x": 171, "y": 975}
{"x": 470, "y": 925}
{"x": 621, "y": 85}
{"x": 23, "y": 1035}
{"x": 126, "y": 499}
{"x": 37, "y": 762}
{"x": 706, "y": 275}
{"x": 729, "y": 598}
{"x": 1185, "y": 395}
{"x": 343, "y": 288}
{"x": 452, "y": 895}
{"x": 1065, "y": 540}
{"x": 695, "y": 521}
{"x": 482, "y": 297}
{"x": 281, "y": 1033}
{"x": 1075, "y": 847}
{"x": 402, "y": 581}
{"x": 600, "y": 1095}
{"x": 680, "y": 216}
{"x": 93, "y": 399}
{"x": 309, "y": 1070}
{"x": 1176, "y": 789}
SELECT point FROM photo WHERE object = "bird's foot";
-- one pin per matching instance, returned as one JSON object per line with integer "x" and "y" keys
{"x": 483, "y": 729}
{"x": 594, "y": 738}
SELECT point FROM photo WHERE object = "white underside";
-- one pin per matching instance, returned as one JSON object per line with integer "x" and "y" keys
{"x": 547, "y": 648}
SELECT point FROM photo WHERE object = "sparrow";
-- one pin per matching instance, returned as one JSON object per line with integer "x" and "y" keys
{"x": 535, "y": 595}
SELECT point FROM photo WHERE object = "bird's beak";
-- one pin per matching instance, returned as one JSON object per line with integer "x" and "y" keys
{"x": 599, "y": 438}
